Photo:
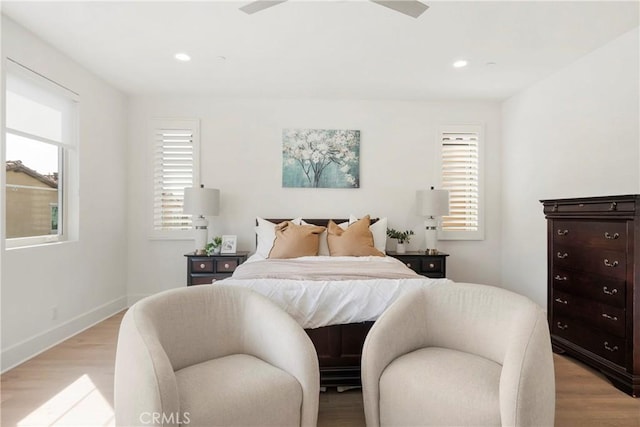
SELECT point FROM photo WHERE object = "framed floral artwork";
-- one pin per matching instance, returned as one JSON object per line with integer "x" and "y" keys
{"x": 321, "y": 158}
{"x": 228, "y": 244}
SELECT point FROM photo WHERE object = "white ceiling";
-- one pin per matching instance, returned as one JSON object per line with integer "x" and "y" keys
{"x": 329, "y": 49}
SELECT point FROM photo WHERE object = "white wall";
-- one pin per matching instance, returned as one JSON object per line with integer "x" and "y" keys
{"x": 85, "y": 279}
{"x": 241, "y": 155}
{"x": 573, "y": 134}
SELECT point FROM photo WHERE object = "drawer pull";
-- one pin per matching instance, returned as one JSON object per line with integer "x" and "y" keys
{"x": 409, "y": 264}
{"x": 563, "y": 232}
{"x": 202, "y": 266}
{"x": 612, "y": 349}
{"x": 561, "y": 301}
{"x": 606, "y": 316}
{"x": 561, "y": 278}
{"x": 609, "y": 292}
{"x": 610, "y": 264}
{"x": 614, "y": 206}
{"x": 226, "y": 265}
{"x": 562, "y": 255}
{"x": 611, "y": 237}
{"x": 562, "y": 326}
{"x": 432, "y": 265}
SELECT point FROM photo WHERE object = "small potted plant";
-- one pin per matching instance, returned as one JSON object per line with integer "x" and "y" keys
{"x": 213, "y": 247}
{"x": 401, "y": 237}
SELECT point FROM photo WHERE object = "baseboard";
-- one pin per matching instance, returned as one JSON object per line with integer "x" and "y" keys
{"x": 31, "y": 347}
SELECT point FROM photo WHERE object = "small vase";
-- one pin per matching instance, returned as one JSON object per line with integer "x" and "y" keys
{"x": 400, "y": 248}
{"x": 216, "y": 251}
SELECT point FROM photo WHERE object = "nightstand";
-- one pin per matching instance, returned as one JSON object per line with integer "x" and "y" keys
{"x": 203, "y": 269}
{"x": 433, "y": 266}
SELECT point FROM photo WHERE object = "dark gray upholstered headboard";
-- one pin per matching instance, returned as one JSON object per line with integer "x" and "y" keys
{"x": 315, "y": 221}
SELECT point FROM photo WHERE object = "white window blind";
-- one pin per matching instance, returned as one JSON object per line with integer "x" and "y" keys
{"x": 40, "y": 159}
{"x": 460, "y": 168}
{"x": 175, "y": 153}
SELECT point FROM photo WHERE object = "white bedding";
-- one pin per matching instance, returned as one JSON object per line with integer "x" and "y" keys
{"x": 316, "y": 303}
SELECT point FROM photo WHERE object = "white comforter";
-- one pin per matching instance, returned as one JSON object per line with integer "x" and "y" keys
{"x": 318, "y": 301}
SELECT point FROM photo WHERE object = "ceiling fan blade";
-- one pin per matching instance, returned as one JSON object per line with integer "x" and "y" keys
{"x": 258, "y": 5}
{"x": 412, "y": 8}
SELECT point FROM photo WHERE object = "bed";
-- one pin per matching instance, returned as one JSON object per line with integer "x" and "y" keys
{"x": 335, "y": 298}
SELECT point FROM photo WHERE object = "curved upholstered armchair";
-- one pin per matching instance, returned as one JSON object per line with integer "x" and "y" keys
{"x": 214, "y": 356}
{"x": 459, "y": 354}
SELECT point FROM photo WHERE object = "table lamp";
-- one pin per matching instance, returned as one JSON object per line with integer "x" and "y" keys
{"x": 201, "y": 202}
{"x": 432, "y": 204}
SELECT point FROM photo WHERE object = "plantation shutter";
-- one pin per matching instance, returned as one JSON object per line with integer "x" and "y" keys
{"x": 174, "y": 160}
{"x": 460, "y": 175}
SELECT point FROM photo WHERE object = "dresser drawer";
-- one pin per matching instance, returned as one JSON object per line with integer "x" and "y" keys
{"x": 611, "y": 235}
{"x": 599, "y": 316}
{"x": 203, "y": 280}
{"x": 601, "y": 343}
{"x": 433, "y": 267}
{"x": 202, "y": 265}
{"x": 591, "y": 286}
{"x": 585, "y": 207}
{"x": 594, "y": 260}
{"x": 411, "y": 262}
{"x": 207, "y": 279}
{"x": 226, "y": 265}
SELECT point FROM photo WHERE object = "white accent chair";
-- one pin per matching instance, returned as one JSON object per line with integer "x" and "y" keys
{"x": 459, "y": 355}
{"x": 214, "y": 355}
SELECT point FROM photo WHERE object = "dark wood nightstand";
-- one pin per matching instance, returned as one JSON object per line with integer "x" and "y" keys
{"x": 433, "y": 266}
{"x": 203, "y": 269}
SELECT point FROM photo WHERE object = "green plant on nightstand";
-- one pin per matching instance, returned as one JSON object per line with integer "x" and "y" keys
{"x": 400, "y": 236}
{"x": 214, "y": 246}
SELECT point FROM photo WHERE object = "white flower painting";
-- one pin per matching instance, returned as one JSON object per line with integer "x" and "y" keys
{"x": 321, "y": 158}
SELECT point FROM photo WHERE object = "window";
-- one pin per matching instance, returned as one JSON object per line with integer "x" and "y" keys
{"x": 176, "y": 148}
{"x": 40, "y": 147}
{"x": 461, "y": 159}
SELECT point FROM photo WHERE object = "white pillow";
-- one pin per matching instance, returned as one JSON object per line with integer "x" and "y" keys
{"x": 379, "y": 231}
{"x": 265, "y": 230}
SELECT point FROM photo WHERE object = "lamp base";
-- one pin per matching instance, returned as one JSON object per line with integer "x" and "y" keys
{"x": 200, "y": 225}
{"x": 430, "y": 235}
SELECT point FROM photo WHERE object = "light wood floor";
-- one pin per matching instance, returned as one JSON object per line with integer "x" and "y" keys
{"x": 72, "y": 385}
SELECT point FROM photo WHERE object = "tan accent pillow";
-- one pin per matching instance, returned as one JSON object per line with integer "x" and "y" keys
{"x": 293, "y": 241}
{"x": 356, "y": 240}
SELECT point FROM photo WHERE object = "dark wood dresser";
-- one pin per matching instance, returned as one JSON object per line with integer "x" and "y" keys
{"x": 433, "y": 266}
{"x": 206, "y": 269}
{"x": 593, "y": 284}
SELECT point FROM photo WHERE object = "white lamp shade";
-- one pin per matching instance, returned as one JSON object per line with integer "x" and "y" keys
{"x": 432, "y": 203}
{"x": 201, "y": 201}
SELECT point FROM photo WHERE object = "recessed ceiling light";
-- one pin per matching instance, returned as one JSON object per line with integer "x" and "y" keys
{"x": 460, "y": 64}
{"x": 182, "y": 57}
